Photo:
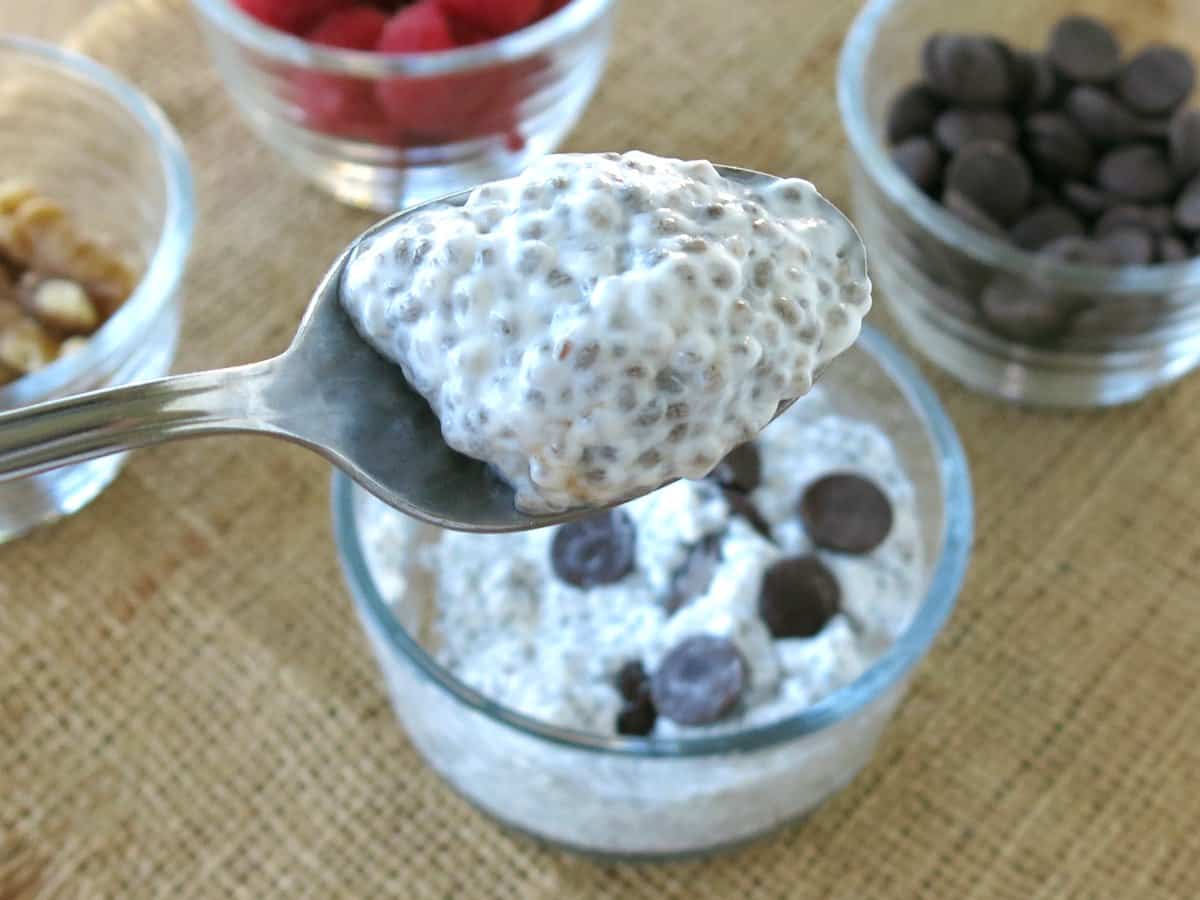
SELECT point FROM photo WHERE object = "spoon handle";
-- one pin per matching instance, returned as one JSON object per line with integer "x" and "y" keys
{"x": 45, "y": 436}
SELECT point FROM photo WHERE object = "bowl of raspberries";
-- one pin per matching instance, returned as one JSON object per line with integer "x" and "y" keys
{"x": 386, "y": 103}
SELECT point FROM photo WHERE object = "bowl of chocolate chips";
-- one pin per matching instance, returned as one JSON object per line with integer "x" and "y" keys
{"x": 696, "y": 667}
{"x": 1027, "y": 176}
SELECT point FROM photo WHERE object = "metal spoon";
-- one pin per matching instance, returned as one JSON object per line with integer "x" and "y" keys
{"x": 329, "y": 391}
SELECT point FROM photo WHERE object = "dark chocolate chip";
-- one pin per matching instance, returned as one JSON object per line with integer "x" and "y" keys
{"x": 993, "y": 177}
{"x": 846, "y": 512}
{"x": 1159, "y": 218}
{"x": 1155, "y": 218}
{"x": 1157, "y": 80}
{"x": 637, "y": 717}
{"x": 632, "y": 679}
{"x": 1045, "y": 224}
{"x": 920, "y": 159}
{"x": 972, "y": 70}
{"x": 695, "y": 573}
{"x": 799, "y": 596}
{"x": 700, "y": 680}
{"x": 1171, "y": 249}
{"x": 1043, "y": 195}
{"x": 912, "y": 113}
{"x": 972, "y": 214}
{"x": 741, "y": 505}
{"x": 1137, "y": 172}
{"x": 1085, "y": 49}
{"x": 1187, "y": 207}
{"x": 1037, "y": 83}
{"x": 1128, "y": 245}
{"x": 1087, "y": 200}
{"x": 596, "y": 550}
{"x": 741, "y": 469}
{"x": 1076, "y": 250}
{"x": 1015, "y": 310}
{"x": 1057, "y": 148}
{"x": 1184, "y": 139}
{"x": 1101, "y": 116}
{"x": 957, "y": 127}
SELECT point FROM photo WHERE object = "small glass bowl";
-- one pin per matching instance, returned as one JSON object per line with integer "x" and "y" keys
{"x": 88, "y": 140}
{"x": 1076, "y": 335}
{"x": 471, "y": 115}
{"x": 654, "y": 798}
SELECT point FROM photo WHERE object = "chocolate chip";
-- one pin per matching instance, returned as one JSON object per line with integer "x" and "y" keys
{"x": 1158, "y": 218}
{"x": 1043, "y": 195}
{"x": 1184, "y": 140}
{"x": 1085, "y": 49}
{"x": 632, "y": 679}
{"x": 1087, "y": 200}
{"x": 637, "y": 717}
{"x": 1137, "y": 172}
{"x": 596, "y": 550}
{"x": 957, "y": 127}
{"x": 1037, "y": 83}
{"x": 994, "y": 178}
{"x": 1058, "y": 150}
{"x": 1187, "y": 207}
{"x": 1015, "y": 310}
{"x": 1151, "y": 218}
{"x": 1101, "y": 116}
{"x": 972, "y": 70}
{"x": 741, "y": 469}
{"x": 920, "y": 160}
{"x": 912, "y": 113}
{"x": 1045, "y": 224}
{"x": 798, "y": 597}
{"x": 700, "y": 680}
{"x": 695, "y": 573}
{"x": 971, "y": 214}
{"x": 846, "y": 512}
{"x": 1128, "y": 245}
{"x": 1157, "y": 80}
{"x": 1076, "y": 250}
{"x": 741, "y": 505}
{"x": 1171, "y": 249}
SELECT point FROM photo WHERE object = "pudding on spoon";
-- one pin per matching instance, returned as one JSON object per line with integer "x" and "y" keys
{"x": 603, "y": 324}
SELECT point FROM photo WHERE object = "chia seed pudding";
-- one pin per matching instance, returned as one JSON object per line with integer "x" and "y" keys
{"x": 497, "y": 613}
{"x": 556, "y": 623}
{"x": 602, "y": 324}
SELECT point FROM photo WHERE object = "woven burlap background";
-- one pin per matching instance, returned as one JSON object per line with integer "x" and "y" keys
{"x": 188, "y": 709}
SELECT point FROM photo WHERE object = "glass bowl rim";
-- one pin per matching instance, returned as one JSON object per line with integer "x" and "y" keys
{"x": 164, "y": 270}
{"x": 574, "y": 18}
{"x": 857, "y": 50}
{"x": 940, "y": 598}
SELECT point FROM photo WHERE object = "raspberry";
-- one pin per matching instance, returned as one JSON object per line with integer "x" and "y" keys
{"x": 432, "y": 107}
{"x": 353, "y": 28}
{"x": 420, "y": 28}
{"x": 496, "y": 17}
{"x": 340, "y": 104}
{"x": 466, "y": 35}
{"x": 292, "y": 16}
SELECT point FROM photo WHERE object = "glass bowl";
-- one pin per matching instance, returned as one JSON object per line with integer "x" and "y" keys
{"x": 1086, "y": 335}
{"x": 652, "y": 798}
{"x": 85, "y": 138}
{"x": 470, "y": 115}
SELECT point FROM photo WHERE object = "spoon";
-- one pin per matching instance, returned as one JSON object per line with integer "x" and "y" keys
{"x": 329, "y": 391}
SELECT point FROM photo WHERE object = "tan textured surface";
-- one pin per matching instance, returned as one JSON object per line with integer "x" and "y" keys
{"x": 187, "y": 708}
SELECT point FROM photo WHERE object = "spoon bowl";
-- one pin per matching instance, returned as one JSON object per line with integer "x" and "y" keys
{"x": 329, "y": 391}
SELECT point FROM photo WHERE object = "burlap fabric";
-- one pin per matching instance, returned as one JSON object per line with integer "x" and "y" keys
{"x": 188, "y": 709}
